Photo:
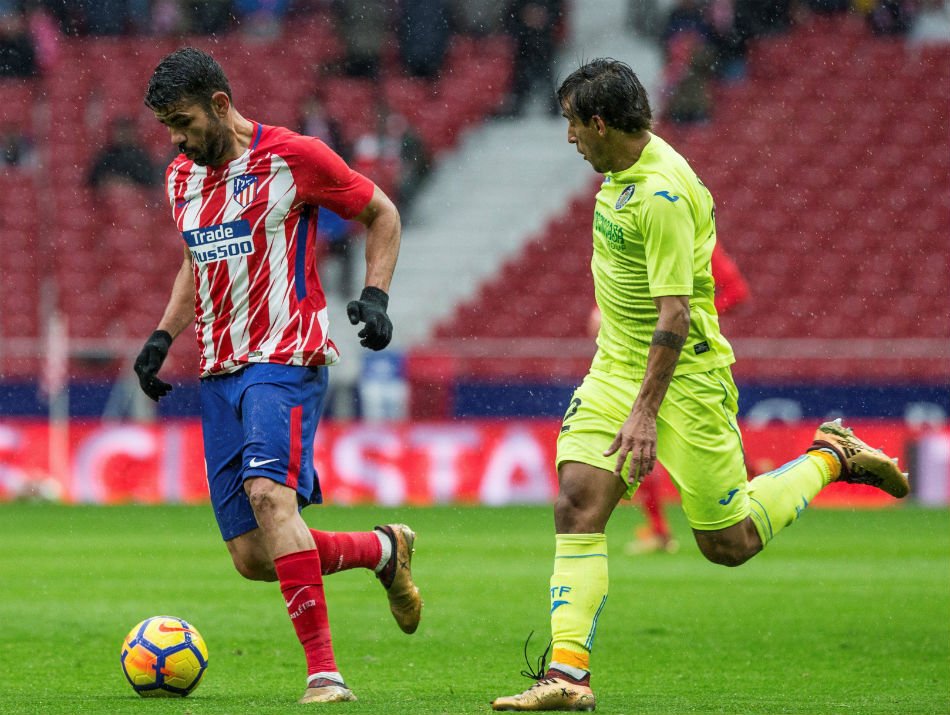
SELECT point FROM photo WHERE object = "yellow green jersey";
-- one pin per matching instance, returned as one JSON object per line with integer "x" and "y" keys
{"x": 654, "y": 232}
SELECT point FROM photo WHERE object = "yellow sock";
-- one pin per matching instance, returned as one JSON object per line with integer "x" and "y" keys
{"x": 578, "y": 595}
{"x": 778, "y": 497}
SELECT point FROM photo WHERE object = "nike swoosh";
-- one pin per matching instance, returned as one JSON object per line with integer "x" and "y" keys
{"x": 163, "y": 628}
{"x": 260, "y": 462}
{"x": 296, "y": 593}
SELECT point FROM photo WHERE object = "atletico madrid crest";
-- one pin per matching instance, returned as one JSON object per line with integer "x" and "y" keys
{"x": 245, "y": 189}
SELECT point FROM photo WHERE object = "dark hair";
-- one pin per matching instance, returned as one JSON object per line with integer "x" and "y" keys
{"x": 188, "y": 75}
{"x": 609, "y": 89}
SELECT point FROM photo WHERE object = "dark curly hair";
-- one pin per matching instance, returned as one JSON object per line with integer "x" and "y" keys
{"x": 186, "y": 75}
{"x": 609, "y": 89}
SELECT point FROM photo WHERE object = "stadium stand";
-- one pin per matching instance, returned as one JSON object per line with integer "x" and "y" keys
{"x": 830, "y": 177}
{"x": 112, "y": 268}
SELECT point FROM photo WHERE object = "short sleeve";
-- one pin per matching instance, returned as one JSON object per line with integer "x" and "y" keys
{"x": 324, "y": 179}
{"x": 668, "y": 236}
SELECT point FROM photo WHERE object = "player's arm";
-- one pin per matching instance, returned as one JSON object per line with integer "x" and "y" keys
{"x": 179, "y": 313}
{"x": 383, "y": 235}
{"x": 666, "y": 223}
{"x": 637, "y": 437}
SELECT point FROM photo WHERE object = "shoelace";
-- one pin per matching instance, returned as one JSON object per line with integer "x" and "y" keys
{"x": 541, "y": 665}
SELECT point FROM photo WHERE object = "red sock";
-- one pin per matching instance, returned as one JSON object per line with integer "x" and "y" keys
{"x": 649, "y": 492}
{"x": 302, "y": 585}
{"x": 342, "y": 550}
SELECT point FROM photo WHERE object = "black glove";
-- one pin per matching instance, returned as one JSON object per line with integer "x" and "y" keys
{"x": 149, "y": 361}
{"x": 371, "y": 309}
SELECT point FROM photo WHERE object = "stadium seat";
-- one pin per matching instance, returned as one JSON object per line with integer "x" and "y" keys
{"x": 805, "y": 162}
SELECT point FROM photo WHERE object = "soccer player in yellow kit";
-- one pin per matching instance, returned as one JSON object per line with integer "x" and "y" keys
{"x": 660, "y": 385}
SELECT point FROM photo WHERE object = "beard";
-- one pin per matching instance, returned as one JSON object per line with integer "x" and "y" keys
{"x": 213, "y": 148}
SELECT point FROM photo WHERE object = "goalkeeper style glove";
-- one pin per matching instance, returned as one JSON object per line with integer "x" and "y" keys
{"x": 371, "y": 309}
{"x": 149, "y": 361}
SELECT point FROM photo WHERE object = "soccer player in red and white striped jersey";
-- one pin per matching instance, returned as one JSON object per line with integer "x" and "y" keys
{"x": 245, "y": 198}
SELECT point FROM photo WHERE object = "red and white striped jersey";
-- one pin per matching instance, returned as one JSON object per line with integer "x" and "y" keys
{"x": 251, "y": 226}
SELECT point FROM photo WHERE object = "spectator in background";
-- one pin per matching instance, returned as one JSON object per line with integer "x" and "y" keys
{"x": 828, "y": 7}
{"x": 688, "y": 76}
{"x": 111, "y": 17}
{"x": 477, "y": 18}
{"x": 362, "y": 25}
{"x": 687, "y": 16}
{"x": 17, "y": 50}
{"x": 16, "y": 148}
{"x": 123, "y": 159}
{"x": 423, "y": 32}
{"x": 208, "y": 17}
{"x": 263, "y": 18}
{"x": 45, "y": 32}
{"x": 759, "y": 18}
{"x": 394, "y": 154}
{"x": 533, "y": 24}
{"x": 891, "y": 17}
{"x": 315, "y": 121}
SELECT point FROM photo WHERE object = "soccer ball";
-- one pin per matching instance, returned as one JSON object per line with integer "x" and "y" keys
{"x": 164, "y": 656}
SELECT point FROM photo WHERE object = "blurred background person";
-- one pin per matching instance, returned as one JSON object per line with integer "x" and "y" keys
{"x": 362, "y": 27}
{"x": 534, "y": 25}
{"x": 17, "y": 48}
{"x": 16, "y": 148}
{"x": 423, "y": 33}
{"x": 123, "y": 158}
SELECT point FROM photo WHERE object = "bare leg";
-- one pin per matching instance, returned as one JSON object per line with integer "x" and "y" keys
{"x": 732, "y": 546}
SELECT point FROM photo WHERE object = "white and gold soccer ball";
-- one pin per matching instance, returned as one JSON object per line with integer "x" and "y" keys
{"x": 164, "y": 656}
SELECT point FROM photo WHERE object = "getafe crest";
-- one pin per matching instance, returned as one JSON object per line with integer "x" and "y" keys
{"x": 245, "y": 189}
{"x": 625, "y": 196}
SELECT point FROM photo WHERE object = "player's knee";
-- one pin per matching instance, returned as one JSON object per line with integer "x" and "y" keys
{"x": 253, "y": 568}
{"x": 565, "y": 513}
{"x": 726, "y": 553}
{"x": 726, "y": 557}
{"x": 573, "y": 516}
{"x": 266, "y": 501}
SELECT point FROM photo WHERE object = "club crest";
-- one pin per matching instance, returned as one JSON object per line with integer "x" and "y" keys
{"x": 245, "y": 189}
{"x": 625, "y": 196}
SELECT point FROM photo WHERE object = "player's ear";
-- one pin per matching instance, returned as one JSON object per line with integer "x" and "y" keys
{"x": 220, "y": 104}
{"x": 599, "y": 124}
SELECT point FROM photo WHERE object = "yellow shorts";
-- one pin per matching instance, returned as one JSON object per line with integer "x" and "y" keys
{"x": 698, "y": 439}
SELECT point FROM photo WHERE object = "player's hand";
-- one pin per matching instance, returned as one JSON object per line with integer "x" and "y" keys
{"x": 371, "y": 309}
{"x": 636, "y": 439}
{"x": 149, "y": 361}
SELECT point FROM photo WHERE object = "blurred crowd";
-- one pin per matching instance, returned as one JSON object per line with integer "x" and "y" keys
{"x": 706, "y": 41}
{"x": 373, "y": 34}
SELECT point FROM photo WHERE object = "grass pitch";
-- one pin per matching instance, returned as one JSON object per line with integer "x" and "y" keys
{"x": 846, "y": 612}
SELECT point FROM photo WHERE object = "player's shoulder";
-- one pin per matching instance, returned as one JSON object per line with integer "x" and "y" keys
{"x": 288, "y": 143}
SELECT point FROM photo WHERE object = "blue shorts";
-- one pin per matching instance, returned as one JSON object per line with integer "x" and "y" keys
{"x": 260, "y": 422}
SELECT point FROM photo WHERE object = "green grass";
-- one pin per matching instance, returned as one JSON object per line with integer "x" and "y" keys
{"x": 847, "y": 612}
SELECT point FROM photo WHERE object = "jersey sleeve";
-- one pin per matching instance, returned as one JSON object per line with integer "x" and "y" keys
{"x": 324, "y": 179}
{"x": 668, "y": 236}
